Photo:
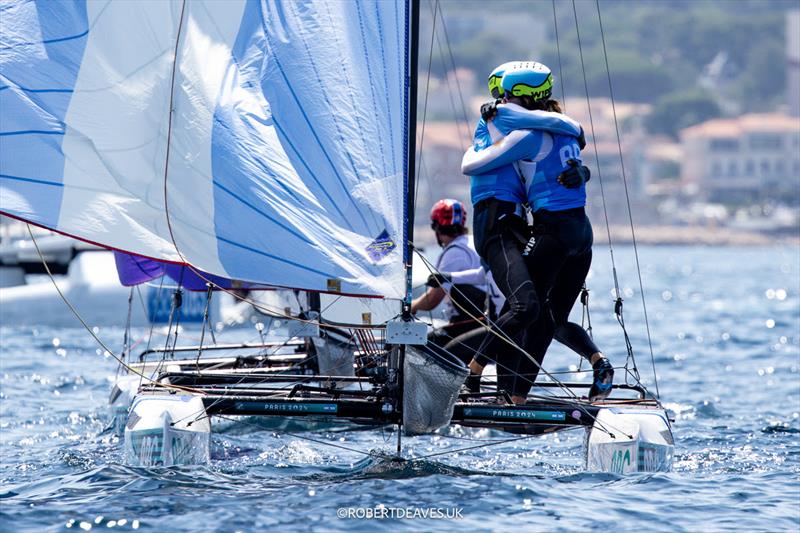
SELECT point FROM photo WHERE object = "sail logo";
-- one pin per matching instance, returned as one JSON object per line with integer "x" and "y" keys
{"x": 380, "y": 247}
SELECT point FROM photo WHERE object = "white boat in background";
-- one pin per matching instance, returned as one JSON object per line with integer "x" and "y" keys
{"x": 87, "y": 277}
{"x": 90, "y": 283}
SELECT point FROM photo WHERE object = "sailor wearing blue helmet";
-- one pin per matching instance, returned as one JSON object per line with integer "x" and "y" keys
{"x": 559, "y": 253}
{"x": 499, "y": 224}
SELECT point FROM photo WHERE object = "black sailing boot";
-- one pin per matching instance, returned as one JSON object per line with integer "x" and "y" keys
{"x": 603, "y": 379}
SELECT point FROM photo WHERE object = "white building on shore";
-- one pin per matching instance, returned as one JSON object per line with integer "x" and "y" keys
{"x": 744, "y": 159}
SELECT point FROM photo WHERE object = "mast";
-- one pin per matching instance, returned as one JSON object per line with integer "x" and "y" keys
{"x": 412, "y": 18}
{"x": 411, "y": 152}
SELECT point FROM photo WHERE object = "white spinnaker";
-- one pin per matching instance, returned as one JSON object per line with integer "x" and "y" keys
{"x": 116, "y": 129}
{"x": 204, "y": 60}
{"x": 290, "y": 114}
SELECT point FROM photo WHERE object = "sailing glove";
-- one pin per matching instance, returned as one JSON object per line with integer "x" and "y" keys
{"x": 438, "y": 279}
{"x": 582, "y": 141}
{"x": 489, "y": 110}
{"x": 575, "y": 176}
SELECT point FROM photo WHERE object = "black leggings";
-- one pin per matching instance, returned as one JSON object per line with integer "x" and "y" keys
{"x": 558, "y": 258}
{"x": 465, "y": 347}
{"x": 499, "y": 235}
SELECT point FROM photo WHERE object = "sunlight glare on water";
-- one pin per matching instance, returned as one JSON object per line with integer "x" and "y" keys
{"x": 726, "y": 339}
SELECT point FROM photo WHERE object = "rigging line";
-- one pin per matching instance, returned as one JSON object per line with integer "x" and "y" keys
{"x": 627, "y": 197}
{"x": 453, "y": 63}
{"x": 152, "y": 322}
{"x": 126, "y": 350}
{"x": 618, "y": 299}
{"x": 560, "y": 68}
{"x": 596, "y": 155}
{"x": 205, "y": 322}
{"x": 169, "y": 130}
{"x": 178, "y": 303}
{"x": 450, "y": 95}
{"x": 425, "y": 107}
{"x": 585, "y": 291}
{"x": 425, "y": 172}
{"x": 174, "y": 314}
{"x": 492, "y": 328}
{"x": 467, "y": 448}
{"x": 86, "y": 326}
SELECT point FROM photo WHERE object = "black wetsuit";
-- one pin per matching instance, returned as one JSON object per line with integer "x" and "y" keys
{"x": 558, "y": 257}
{"x": 499, "y": 236}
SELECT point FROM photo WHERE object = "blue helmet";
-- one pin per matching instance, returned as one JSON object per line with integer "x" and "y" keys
{"x": 496, "y": 76}
{"x": 528, "y": 78}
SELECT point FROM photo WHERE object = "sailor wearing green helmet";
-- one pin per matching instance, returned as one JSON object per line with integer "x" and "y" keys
{"x": 499, "y": 225}
{"x": 559, "y": 254}
{"x": 529, "y": 79}
{"x": 496, "y": 77}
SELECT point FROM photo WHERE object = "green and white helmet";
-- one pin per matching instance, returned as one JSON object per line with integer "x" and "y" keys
{"x": 528, "y": 78}
{"x": 495, "y": 87}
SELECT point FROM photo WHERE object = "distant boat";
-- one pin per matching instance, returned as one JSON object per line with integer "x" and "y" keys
{"x": 87, "y": 276}
{"x": 271, "y": 143}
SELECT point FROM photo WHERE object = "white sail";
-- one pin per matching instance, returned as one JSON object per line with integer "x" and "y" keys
{"x": 261, "y": 141}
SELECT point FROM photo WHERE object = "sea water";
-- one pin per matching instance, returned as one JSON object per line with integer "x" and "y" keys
{"x": 725, "y": 328}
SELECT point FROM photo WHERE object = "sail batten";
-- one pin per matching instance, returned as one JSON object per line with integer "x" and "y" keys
{"x": 259, "y": 141}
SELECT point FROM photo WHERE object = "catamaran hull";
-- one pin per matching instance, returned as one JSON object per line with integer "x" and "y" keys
{"x": 119, "y": 402}
{"x": 167, "y": 430}
{"x": 628, "y": 440}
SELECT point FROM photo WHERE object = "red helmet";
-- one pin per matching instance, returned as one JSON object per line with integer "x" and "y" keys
{"x": 448, "y": 212}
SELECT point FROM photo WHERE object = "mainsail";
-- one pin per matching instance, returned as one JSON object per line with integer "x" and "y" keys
{"x": 258, "y": 141}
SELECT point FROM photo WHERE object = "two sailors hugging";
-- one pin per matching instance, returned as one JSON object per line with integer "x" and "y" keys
{"x": 508, "y": 291}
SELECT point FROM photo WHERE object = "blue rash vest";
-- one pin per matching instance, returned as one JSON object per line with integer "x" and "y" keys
{"x": 503, "y": 182}
{"x": 538, "y": 157}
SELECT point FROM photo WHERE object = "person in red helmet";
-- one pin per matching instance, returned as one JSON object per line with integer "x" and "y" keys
{"x": 465, "y": 304}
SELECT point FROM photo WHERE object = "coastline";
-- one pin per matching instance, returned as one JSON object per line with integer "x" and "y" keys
{"x": 664, "y": 235}
{"x": 697, "y": 235}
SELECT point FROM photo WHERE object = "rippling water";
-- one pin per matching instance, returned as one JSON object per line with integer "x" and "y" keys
{"x": 725, "y": 324}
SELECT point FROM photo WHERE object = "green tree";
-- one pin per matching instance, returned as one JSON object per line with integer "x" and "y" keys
{"x": 676, "y": 111}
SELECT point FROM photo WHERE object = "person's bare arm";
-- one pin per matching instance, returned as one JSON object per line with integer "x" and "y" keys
{"x": 432, "y": 297}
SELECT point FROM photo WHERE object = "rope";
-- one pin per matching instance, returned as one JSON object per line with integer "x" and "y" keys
{"x": 628, "y": 200}
{"x": 455, "y": 77}
{"x": 425, "y": 107}
{"x": 203, "y": 331}
{"x": 618, "y": 293}
{"x": 560, "y": 69}
{"x": 90, "y": 330}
